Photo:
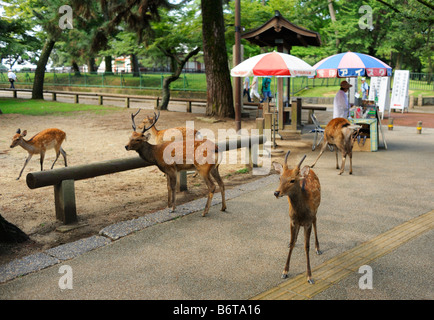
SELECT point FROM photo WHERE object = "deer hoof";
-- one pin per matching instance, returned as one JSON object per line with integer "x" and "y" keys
{"x": 318, "y": 252}
{"x": 310, "y": 281}
{"x": 284, "y": 275}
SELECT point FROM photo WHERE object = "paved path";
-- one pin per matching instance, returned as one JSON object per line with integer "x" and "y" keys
{"x": 371, "y": 218}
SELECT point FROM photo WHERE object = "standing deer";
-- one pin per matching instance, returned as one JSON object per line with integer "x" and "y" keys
{"x": 39, "y": 143}
{"x": 340, "y": 133}
{"x": 171, "y": 133}
{"x": 198, "y": 158}
{"x": 304, "y": 196}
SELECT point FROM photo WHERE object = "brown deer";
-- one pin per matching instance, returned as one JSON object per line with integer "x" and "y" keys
{"x": 340, "y": 134}
{"x": 304, "y": 196}
{"x": 39, "y": 143}
{"x": 199, "y": 155}
{"x": 172, "y": 133}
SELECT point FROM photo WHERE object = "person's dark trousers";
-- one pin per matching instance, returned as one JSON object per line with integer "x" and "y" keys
{"x": 12, "y": 84}
{"x": 248, "y": 95}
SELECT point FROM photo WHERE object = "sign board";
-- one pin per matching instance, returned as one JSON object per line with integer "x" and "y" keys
{"x": 399, "y": 99}
{"x": 379, "y": 91}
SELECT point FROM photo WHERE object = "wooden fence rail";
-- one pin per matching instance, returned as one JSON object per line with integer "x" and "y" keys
{"x": 63, "y": 178}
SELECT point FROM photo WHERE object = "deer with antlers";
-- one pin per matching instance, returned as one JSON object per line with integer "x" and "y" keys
{"x": 39, "y": 144}
{"x": 304, "y": 196}
{"x": 171, "y": 157}
{"x": 167, "y": 134}
{"x": 340, "y": 134}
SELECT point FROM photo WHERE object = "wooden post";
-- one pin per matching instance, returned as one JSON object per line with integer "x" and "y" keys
{"x": 64, "y": 201}
{"x": 181, "y": 181}
{"x": 100, "y": 100}
{"x": 127, "y": 102}
{"x": 411, "y": 102}
{"x": 76, "y": 98}
{"x": 156, "y": 103}
{"x": 260, "y": 125}
{"x": 189, "y": 106}
{"x": 53, "y": 96}
{"x": 14, "y": 93}
{"x": 268, "y": 120}
{"x": 420, "y": 101}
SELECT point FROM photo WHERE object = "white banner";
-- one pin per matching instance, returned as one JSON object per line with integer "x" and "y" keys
{"x": 399, "y": 99}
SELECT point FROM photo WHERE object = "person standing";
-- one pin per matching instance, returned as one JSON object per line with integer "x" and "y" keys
{"x": 266, "y": 89}
{"x": 247, "y": 88}
{"x": 341, "y": 107}
{"x": 254, "y": 89}
{"x": 364, "y": 89}
{"x": 12, "y": 78}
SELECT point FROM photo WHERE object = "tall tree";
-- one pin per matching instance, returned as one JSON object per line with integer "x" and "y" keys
{"x": 218, "y": 80}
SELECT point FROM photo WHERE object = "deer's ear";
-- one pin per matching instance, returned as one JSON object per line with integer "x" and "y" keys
{"x": 24, "y": 133}
{"x": 278, "y": 167}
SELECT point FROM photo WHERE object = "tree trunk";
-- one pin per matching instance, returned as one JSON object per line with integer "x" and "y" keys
{"x": 135, "y": 65}
{"x": 175, "y": 75}
{"x": 38, "y": 82}
{"x": 75, "y": 68}
{"x": 333, "y": 18}
{"x": 108, "y": 65}
{"x": 91, "y": 65}
{"x": 10, "y": 233}
{"x": 220, "y": 100}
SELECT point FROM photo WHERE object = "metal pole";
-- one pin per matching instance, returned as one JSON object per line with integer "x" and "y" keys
{"x": 237, "y": 80}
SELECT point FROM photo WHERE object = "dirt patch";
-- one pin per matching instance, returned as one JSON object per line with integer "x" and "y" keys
{"x": 104, "y": 200}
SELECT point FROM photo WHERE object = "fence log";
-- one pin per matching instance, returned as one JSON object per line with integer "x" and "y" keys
{"x": 63, "y": 178}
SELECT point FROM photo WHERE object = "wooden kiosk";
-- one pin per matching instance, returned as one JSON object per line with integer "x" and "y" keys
{"x": 281, "y": 33}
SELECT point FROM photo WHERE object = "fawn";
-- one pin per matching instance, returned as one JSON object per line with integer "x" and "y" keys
{"x": 304, "y": 196}
{"x": 39, "y": 143}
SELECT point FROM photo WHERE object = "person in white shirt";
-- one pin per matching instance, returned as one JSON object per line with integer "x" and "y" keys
{"x": 247, "y": 88}
{"x": 12, "y": 78}
{"x": 254, "y": 89}
{"x": 341, "y": 107}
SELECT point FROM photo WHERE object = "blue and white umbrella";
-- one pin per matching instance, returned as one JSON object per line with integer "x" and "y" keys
{"x": 351, "y": 64}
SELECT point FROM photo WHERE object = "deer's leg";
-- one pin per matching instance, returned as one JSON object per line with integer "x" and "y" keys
{"x": 64, "y": 155}
{"x": 307, "y": 232}
{"x": 57, "y": 156}
{"x": 171, "y": 190}
{"x": 344, "y": 157}
{"x": 351, "y": 162}
{"x": 25, "y": 164}
{"x": 318, "y": 251}
{"x": 294, "y": 234}
{"x": 211, "y": 190}
{"x": 41, "y": 159}
{"x": 324, "y": 146}
{"x": 215, "y": 173}
{"x": 337, "y": 161}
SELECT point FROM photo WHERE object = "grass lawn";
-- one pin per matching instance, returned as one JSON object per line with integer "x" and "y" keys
{"x": 42, "y": 107}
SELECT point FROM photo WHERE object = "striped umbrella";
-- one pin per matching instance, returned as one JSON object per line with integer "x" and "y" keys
{"x": 351, "y": 64}
{"x": 273, "y": 64}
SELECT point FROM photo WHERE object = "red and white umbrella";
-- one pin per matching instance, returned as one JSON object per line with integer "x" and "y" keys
{"x": 273, "y": 64}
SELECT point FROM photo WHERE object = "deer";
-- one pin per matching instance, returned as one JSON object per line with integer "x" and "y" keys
{"x": 39, "y": 144}
{"x": 303, "y": 189}
{"x": 340, "y": 134}
{"x": 171, "y": 133}
{"x": 201, "y": 157}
